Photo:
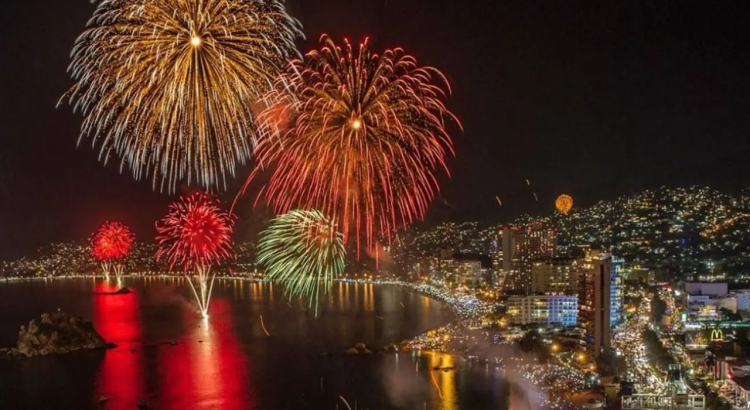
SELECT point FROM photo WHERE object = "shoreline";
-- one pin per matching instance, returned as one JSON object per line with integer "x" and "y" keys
{"x": 467, "y": 308}
{"x": 464, "y": 306}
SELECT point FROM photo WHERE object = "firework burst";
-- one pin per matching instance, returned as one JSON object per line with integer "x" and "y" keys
{"x": 195, "y": 234}
{"x": 357, "y": 135}
{"x": 564, "y": 203}
{"x": 302, "y": 251}
{"x": 110, "y": 245}
{"x": 167, "y": 85}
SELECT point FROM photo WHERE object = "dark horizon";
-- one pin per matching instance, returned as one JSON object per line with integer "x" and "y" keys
{"x": 591, "y": 99}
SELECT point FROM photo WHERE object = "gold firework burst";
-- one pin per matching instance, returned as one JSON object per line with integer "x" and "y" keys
{"x": 167, "y": 85}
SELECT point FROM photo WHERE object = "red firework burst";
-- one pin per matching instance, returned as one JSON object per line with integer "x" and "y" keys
{"x": 195, "y": 233}
{"x": 112, "y": 242}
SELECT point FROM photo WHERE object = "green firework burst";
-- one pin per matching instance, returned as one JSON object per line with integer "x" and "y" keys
{"x": 302, "y": 251}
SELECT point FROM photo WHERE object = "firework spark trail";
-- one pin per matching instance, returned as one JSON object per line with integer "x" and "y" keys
{"x": 263, "y": 325}
{"x": 167, "y": 85}
{"x": 195, "y": 234}
{"x": 434, "y": 381}
{"x": 357, "y": 135}
{"x": 110, "y": 245}
{"x": 345, "y": 402}
{"x": 302, "y": 251}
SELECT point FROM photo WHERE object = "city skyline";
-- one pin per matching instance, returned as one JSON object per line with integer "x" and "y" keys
{"x": 696, "y": 233}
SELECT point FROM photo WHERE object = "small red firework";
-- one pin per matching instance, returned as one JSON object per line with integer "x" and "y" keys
{"x": 195, "y": 233}
{"x": 111, "y": 245}
{"x": 112, "y": 242}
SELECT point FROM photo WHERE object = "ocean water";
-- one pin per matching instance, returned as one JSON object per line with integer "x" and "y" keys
{"x": 228, "y": 361}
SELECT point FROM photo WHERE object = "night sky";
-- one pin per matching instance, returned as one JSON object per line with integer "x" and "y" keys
{"x": 592, "y": 98}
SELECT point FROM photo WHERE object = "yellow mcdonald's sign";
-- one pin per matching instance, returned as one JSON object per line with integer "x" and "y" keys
{"x": 717, "y": 335}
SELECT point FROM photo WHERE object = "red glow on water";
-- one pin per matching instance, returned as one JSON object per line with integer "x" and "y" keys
{"x": 205, "y": 369}
{"x": 117, "y": 318}
{"x": 223, "y": 355}
{"x": 208, "y": 370}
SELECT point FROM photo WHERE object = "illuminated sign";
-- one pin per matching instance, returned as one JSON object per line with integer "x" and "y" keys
{"x": 717, "y": 335}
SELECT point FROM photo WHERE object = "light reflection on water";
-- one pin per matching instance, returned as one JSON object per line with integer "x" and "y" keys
{"x": 118, "y": 318}
{"x": 207, "y": 369}
{"x": 226, "y": 362}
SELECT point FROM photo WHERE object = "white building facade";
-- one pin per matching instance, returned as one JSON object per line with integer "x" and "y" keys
{"x": 543, "y": 309}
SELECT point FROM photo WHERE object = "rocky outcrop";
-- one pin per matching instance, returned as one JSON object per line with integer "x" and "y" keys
{"x": 56, "y": 333}
{"x": 121, "y": 291}
{"x": 11, "y": 353}
{"x": 359, "y": 348}
{"x": 391, "y": 349}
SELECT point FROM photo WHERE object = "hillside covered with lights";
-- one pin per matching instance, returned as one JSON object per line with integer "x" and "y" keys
{"x": 680, "y": 230}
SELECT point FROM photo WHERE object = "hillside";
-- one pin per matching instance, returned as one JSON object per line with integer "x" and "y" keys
{"x": 676, "y": 228}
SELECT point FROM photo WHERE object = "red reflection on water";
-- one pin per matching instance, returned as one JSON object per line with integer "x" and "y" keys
{"x": 117, "y": 319}
{"x": 208, "y": 369}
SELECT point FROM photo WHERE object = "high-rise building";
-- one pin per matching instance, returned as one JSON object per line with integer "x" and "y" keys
{"x": 546, "y": 237}
{"x": 617, "y": 309}
{"x": 600, "y": 297}
{"x": 545, "y": 309}
{"x": 558, "y": 276}
{"x": 496, "y": 255}
{"x": 485, "y": 277}
{"x": 445, "y": 267}
{"x": 508, "y": 248}
{"x": 520, "y": 248}
{"x": 441, "y": 265}
{"x": 467, "y": 272}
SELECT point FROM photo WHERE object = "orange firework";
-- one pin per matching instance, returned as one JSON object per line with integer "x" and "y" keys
{"x": 564, "y": 203}
{"x": 356, "y": 135}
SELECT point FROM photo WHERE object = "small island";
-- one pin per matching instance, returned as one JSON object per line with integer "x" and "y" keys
{"x": 55, "y": 333}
